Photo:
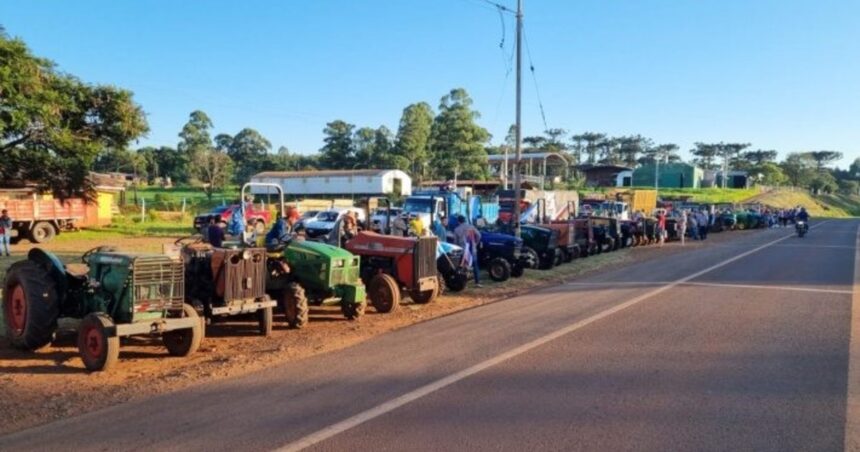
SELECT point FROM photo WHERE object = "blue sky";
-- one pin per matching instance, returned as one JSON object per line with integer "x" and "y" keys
{"x": 781, "y": 75}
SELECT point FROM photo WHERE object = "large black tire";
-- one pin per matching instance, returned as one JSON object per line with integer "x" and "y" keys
{"x": 426, "y": 296}
{"x": 30, "y": 306}
{"x": 352, "y": 311}
{"x": 559, "y": 259}
{"x": 517, "y": 270}
{"x": 566, "y": 255}
{"x": 499, "y": 269}
{"x": 294, "y": 302}
{"x": 186, "y": 341}
{"x": 457, "y": 281}
{"x": 264, "y": 320}
{"x": 535, "y": 257}
{"x": 384, "y": 293}
{"x": 99, "y": 348}
{"x": 42, "y": 232}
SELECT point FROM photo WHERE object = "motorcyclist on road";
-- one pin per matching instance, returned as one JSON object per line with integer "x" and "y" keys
{"x": 803, "y": 215}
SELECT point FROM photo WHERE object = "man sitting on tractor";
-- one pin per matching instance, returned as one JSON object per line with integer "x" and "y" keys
{"x": 283, "y": 231}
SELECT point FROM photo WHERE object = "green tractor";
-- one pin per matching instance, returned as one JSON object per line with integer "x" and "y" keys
{"x": 302, "y": 272}
{"x": 114, "y": 295}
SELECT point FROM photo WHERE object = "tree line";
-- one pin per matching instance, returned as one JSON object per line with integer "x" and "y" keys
{"x": 55, "y": 128}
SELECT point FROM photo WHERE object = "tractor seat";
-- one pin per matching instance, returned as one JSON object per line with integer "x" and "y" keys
{"x": 79, "y": 271}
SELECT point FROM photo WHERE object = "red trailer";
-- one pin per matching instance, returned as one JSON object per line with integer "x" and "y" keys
{"x": 41, "y": 220}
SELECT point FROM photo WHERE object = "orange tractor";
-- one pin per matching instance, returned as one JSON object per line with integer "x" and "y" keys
{"x": 389, "y": 263}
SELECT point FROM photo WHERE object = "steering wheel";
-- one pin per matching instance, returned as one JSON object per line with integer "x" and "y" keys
{"x": 189, "y": 240}
{"x": 86, "y": 256}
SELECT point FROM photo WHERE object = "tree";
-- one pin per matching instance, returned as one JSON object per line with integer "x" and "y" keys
{"x": 759, "y": 157}
{"x": 854, "y": 169}
{"x": 707, "y": 154}
{"x": 213, "y": 169}
{"x": 823, "y": 158}
{"x": 631, "y": 147}
{"x": 363, "y": 141}
{"x": 554, "y": 141}
{"x": 609, "y": 151}
{"x": 771, "y": 174}
{"x": 849, "y": 187}
{"x": 591, "y": 147}
{"x": 194, "y": 136}
{"x": 413, "y": 137}
{"x": 799, "y": 169}
{"x": 383, "y": 144}
{"x": 337, "y": 152}
{"x": 53, "y": 126}
{"x": 167, "y": 162}
{"x": 248, "y": 150}
{"x": 823, "y": 182}
{"x": 457, "y": 141}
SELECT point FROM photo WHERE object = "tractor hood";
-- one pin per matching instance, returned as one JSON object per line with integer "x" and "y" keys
{"x": 500, "y": 239}
{"x": 320, "y": 249}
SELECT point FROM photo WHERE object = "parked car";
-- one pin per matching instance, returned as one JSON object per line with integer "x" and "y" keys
{"x": 325, "y": 221}
{"x": 307, "y": 217}
{"x": 379, "y": 219}
{"x": 253, "y": 215}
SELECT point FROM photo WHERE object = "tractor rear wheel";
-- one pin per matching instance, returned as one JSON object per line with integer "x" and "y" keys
{"x": 384, "y": 293}
{"x": 30, "y": 306}
{"x": 98, "y": 346}
{"x": 426, "y": 296}
{"x": 499, "y": 269}
{"x": 352, "y": 311}
{"x": 295, "y": 305}
{"x": 264, "y": 319}
{"x": 186, "y": 341}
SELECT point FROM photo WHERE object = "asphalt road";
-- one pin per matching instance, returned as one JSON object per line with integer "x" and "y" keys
{"x": 741, "y": 346}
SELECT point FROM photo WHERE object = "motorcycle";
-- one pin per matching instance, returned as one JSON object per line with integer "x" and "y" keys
{"x": 801, "y": 227}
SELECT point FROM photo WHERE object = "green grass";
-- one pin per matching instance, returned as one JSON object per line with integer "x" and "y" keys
{"x": 712, "y": 195}
{"x": 171, "y": 198}
{"x": 127, "y": 227}
{"x": 824, "y": 206}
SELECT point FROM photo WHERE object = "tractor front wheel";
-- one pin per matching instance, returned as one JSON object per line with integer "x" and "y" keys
{"x": 384, "y": 293}
{"x": 426, "y": 296}
{"x": 352, "y": 311}
{"x": 499, "y": 269}
{"x": 295, "y": 305}
{"x": 186, "y": 341}
{"x": 264, "y": 319}
{"x": 533, "y": 256}
{"x": 98, "y": 346}
{"x": 30, "y": 306}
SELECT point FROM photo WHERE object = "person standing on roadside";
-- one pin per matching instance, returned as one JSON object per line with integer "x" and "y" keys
{"x": 661, "y": 227}
{"x": 5, "y": 233}
{"x": 681, "y": 226}
{"x": 702, "y": 221}
{"x": 693, "y": 225}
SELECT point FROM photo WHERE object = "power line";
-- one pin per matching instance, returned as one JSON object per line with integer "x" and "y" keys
{"x": 534, "y": 79}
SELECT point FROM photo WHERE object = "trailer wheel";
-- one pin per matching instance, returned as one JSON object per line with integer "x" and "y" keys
{"x": 186, "y": 341}
{"x": 499, "y": 269}
{"x": 42, "y": 232}
{"x": 427, "y": 296}
{"x": 264, "y": 319}
{"x": 352, "y": 311}
{"x": 295, "y": 305}
{"x": 98, "y": 346}
{"x": 30, "y": 306}
{"x": 384, "y": 293}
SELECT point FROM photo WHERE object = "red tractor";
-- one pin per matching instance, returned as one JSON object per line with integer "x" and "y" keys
{"x": 389, "y": 263}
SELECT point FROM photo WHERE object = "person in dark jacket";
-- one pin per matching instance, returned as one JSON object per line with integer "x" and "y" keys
{"x": 216, "y": 235}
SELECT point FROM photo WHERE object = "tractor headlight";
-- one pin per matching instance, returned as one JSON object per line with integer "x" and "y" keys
{"x": 339, "y": 263}
{"x": 355, "y": 262}
{"x": 246, "y": 254}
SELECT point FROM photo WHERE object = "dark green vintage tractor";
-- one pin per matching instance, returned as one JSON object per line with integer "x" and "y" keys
{"x": 113, "y": 295}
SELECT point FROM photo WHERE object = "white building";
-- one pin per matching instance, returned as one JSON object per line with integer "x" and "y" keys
{"x": 341, "y": 183}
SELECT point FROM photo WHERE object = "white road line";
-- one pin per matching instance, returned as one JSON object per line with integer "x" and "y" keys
{"x": 852, "y": 396}
{"x": 617, "y": 284}
{"x": 393, "y": 404}
{"x": 759, "y": 286}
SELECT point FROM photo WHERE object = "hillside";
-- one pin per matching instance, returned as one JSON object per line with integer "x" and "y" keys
{"x": 832, "y": 206}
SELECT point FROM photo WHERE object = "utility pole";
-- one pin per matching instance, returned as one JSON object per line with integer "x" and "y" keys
{"x": 519, "y": 132}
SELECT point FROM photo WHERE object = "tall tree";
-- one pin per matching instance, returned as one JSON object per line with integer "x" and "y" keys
{"x": 759, "y": 157}
{"x": 854, "y": 169}
{"x": 383, "y": 144}
{"x": 338, "y": 151}
{"x": 213, "y": 169}
{"x": 609, "y": 151}
{"x": 363, "y": 141}
{"x": 555, "y": 140}
{"x": 591, "y": 140}
{"x": 248, "y": 150}
{"x": 799, "y": 169}
{"x": 824, "y": 158}
{"x": 631, "y": 147}
{"x": 706, "y": 154}
{"x": 52, "y": 125}
{"x": 413, "y": 137}
{"x": 194, "y": 136}
{"x": 457, "y": 140}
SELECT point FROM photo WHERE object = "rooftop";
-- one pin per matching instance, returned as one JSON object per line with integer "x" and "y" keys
{"x": 322, "y": 173}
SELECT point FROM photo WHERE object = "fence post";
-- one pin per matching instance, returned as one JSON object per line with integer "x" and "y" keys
{"x": 183, "y": 207}
{"x": 143, "y": 210}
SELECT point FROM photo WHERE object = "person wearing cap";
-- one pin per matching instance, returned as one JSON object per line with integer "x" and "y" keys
{"x": 5, "y": 233}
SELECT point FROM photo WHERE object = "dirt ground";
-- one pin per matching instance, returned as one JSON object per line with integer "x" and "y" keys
{"x": 51, "y": 384}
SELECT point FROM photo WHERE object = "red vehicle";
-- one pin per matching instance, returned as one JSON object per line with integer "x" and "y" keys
{"x": 260, "y": 218}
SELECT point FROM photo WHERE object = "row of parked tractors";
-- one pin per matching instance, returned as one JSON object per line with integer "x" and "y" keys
{"x": 174, "y": 295}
